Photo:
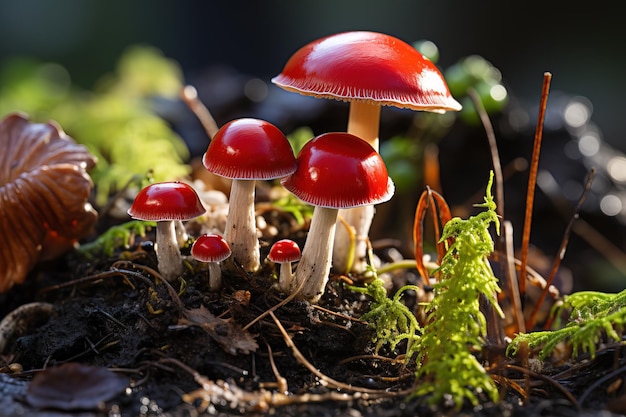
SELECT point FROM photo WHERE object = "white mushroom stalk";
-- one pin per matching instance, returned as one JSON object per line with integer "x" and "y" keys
{"x": 363, "y": 121}
{"x": 240, "y": 231}
{"x": 168, "y": 253}
{"x": 311, "y": 275}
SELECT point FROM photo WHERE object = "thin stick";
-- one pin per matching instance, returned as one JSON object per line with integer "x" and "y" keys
{"x": 548, "y": 379}
{"x": 493, "y": 148}
{"x": 511, "y": 274}
{"x": 189, "y": 95}
{"x": 532, "y": 181}
{"x": 530, "y": 323}
{"x": 324, "y": 379}
{"x": 599, "y": 382}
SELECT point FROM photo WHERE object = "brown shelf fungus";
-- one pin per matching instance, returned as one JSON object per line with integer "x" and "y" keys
{"x": 44, "y": 192}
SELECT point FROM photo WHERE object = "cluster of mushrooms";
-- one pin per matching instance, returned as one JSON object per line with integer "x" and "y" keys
{"x": 341, "y": 174}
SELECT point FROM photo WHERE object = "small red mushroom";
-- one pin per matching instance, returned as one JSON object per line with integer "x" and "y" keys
{"x": 167, "y": 203}
{"x": 369, "y": 70}
{"x": 213, "y": 249}
{"x": 284, "y": 252}
{"x": 247, "y": 150}
{"x": 335, "y": 170}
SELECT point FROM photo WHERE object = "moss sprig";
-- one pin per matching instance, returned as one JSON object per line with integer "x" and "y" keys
{"x": 456, "y": 327}
{"x": 115, "y": 237}
{"x": 390, "y": 318}
{"x": 592, "y": 315}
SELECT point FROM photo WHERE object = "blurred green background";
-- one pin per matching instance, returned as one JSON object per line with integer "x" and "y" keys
{"x": 580, "y": 43}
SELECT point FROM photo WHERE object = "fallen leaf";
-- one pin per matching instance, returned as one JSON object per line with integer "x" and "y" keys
{"x": 73, "y": 386}
{"x": 229, "y": 335}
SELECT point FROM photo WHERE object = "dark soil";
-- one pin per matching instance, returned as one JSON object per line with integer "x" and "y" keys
{"x": 115, "y": 314}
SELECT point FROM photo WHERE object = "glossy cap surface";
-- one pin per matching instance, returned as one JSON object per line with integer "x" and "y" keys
{"x": 339, "y": 170}
{"x": 166, "y": 201}
{"x": 249, "y": 149}
{"x": 284, "y": 250}
{"x": 367, "y": 66}
{"x": 210, "y": 248}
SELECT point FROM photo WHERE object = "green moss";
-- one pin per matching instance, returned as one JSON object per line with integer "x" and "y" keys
{"x": 117, "y": 119}
{"x": 114, "y": 238}
{"x": 456, "y": 327}
{"x": 391, "y": 320}
{"x": 591, "y": 315}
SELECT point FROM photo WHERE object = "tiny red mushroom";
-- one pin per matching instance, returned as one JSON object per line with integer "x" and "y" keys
{"x": 335, "y": 170}
{"x": 369, "y": 70}
{"x": 167, "y": 203}
{"x": 213, "y": 249}
{"x": 247, "y": 150}
{"x": 284, "y": 252}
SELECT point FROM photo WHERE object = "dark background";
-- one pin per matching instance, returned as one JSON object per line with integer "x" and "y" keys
{"x": 581, "y": 44}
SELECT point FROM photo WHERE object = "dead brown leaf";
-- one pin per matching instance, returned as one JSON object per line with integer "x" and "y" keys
{"x": 228, "y": 334}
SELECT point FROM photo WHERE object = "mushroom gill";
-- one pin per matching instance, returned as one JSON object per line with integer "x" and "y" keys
{"x": 44, "y": 192}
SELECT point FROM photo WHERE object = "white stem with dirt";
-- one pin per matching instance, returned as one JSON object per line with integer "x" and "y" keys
{"x": 363, "y": 122}
{"x": 215, "y": 276}
{"x": 170, "y": 262}
{"x": 240, "y": 231}
{"x": 312, "y": 272}
{"x": 285, "y": 279}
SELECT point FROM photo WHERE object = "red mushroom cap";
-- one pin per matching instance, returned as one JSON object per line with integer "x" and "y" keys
{"x": 340, "y": 170}
{"x": 166, "y": 201}
{"x": 210, "y": 248}
{"x": 250, "y": 149}
{"x": 284, "y": 250}
{"x": 367, "y": 66}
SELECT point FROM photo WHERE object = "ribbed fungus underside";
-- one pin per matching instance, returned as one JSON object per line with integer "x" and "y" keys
{"x": 44, "y": 195}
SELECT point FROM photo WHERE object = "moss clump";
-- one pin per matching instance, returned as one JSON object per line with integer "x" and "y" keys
{"x": 391, "y": 320}
{"x": 117, "y": 120}
{"x": 591, "y": 315}
{"x": 456, "y": 327}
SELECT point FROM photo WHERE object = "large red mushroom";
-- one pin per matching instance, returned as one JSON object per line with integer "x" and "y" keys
{"x": 246, "y": 150}
{"x": 167, "y": 203}
{"x": 335, "y": 170}
{"x": 369, "y": 70}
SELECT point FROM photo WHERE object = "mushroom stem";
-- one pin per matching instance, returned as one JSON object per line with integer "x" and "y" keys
{"x": 286, "y": 277}
{"x": 363, "y": 122}
{"x": 215, "y": 276}
{"x": 360, "y": 220}
{"x": 312, "y": 272}
{"x": 181, "y": 233}
{"x": 167, "y": 251}
{"x": 240, "y": 231}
